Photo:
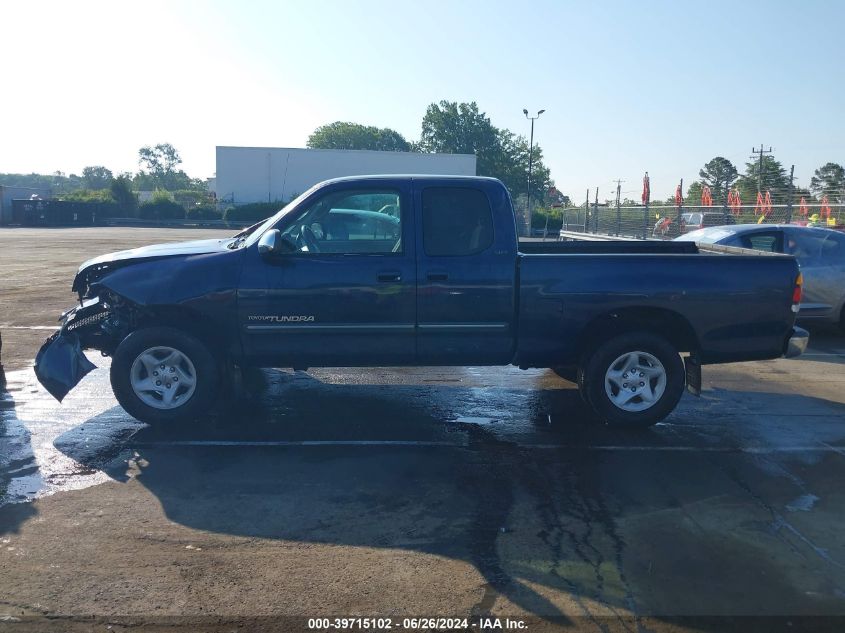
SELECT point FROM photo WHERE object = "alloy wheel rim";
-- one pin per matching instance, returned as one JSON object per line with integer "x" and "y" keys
{"x": 635, "y": 381}
{"x": 163, "y": 378}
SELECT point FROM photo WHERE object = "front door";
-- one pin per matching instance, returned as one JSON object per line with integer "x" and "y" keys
{"x": 347, "y": 296}
{"x": 466, "y": 276}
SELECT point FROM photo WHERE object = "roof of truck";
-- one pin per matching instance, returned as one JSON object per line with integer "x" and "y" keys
{"x": 411, "y": 177}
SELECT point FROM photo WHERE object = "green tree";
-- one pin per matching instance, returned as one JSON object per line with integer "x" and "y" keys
{"x": 773, "y": 178}
{"x": 160, "y": 159}
{"x": 511, "y": 167}
{"x": 716, "y": 174}
{"x": 96, "y": 177}
{"x": 159, "y": 164}
{"x": 87, "y": 195}
{"x": 461, "y": 128}
{"x": 121, "y": 191}
{"x": 452, "y": 128}
{"x": 343, "y": 135}
{"x": 829, "y": 179}
{"x": 693, "y": 197}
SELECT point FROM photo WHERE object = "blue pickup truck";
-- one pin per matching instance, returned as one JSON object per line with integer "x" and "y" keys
{"x": 420, "y": 270}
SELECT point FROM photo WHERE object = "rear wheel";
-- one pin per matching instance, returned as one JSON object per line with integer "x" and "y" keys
{"x": 162, "y": 375}
{"x": 633, "y": 380}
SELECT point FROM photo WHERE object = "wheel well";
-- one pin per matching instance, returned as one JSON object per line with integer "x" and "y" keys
{"x": 188, "y": 321}
{"x": 666, "y": 323}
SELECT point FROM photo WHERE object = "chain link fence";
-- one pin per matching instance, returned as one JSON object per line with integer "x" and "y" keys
{"x": 664, "y": 221}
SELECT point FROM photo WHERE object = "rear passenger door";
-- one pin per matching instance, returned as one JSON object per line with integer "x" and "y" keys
{"x": 465, "y": 277}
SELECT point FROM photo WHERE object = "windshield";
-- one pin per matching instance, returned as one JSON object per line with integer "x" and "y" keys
{"x": 253, "y": 233}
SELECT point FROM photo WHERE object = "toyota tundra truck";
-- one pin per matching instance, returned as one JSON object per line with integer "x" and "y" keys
{"x": 418, "y": 271}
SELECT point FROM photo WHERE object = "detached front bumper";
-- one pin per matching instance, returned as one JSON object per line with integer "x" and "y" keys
{"x": 60, "y": 363}
{"x": 797, "y": 343}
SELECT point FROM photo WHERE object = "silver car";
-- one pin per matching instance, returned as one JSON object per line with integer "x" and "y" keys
{"x": 820, "y": 254}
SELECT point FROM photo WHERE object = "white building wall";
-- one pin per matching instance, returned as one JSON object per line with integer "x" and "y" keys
{"x": 268, "y": 174}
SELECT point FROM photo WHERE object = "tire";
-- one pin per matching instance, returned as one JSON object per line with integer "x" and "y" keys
{"x": 654, "y": 377}
{"x": 161, "y": 399}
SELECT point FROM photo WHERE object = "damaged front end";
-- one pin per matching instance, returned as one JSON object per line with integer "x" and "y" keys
{"x": 100, "y": 323}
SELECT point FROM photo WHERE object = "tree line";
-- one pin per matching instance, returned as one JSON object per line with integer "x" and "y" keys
{"x": 768, "y": 175}
{"x": 174, "y": 191}
{"x": 449, "y": 127}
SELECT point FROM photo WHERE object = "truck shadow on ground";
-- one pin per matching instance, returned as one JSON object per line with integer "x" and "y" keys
{"x": 545, "y": 527}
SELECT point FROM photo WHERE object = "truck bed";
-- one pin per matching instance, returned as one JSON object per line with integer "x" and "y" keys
{"x": 737, "y": 303}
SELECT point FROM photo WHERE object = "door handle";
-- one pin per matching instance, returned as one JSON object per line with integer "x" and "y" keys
{"x": 386, "y": 277}
{"x": 438, "y": 276}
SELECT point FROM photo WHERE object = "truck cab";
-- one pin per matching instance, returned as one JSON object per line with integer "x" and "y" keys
{"x": 438, "y": 287}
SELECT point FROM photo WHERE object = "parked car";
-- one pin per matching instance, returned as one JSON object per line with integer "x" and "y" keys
{"x": 820, "y": 254}
{"x": 668, "y": 227}
{"x": 447, "y": 283}
{"x": 702, "y": 219}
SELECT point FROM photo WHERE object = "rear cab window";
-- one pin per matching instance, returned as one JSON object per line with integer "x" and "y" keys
{"x": 457, "y": 221}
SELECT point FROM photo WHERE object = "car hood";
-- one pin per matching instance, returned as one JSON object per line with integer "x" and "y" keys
{"x": 95, "y": 268}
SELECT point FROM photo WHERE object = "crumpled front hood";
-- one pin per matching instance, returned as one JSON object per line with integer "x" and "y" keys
{"x": 112, "y": 261}
{"x": 194, "y": 247}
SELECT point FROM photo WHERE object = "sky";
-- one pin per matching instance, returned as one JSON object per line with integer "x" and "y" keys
{"x": 628, "y": 87}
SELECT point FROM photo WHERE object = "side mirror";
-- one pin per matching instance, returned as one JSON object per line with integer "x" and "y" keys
{"x": 274, "y": 243}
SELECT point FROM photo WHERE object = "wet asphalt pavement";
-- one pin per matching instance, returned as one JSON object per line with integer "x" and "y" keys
{"x": 439, "y": 491}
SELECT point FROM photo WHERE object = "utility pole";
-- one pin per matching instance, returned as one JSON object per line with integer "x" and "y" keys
{"x": 587, "y": 212}
{"x": 530, "y": 162}
{"x": 618, "y": 209}
{"x": 680, "y": 209}
{"x": 761, "y": 152}
{"x": 791, "y": 194}
{"x": 596, "y": 213}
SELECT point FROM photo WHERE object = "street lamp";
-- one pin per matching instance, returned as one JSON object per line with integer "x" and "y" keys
{"x": 530, "y": 162}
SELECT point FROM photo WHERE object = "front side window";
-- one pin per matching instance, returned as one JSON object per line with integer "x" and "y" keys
{"x": 456, "y": 221}
{"x": 365, "y": 222}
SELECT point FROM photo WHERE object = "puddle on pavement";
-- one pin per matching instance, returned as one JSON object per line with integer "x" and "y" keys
{"x": 34, "y": 428}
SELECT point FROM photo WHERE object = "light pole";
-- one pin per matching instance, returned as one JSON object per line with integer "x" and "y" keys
{"x": 530, "y": 162}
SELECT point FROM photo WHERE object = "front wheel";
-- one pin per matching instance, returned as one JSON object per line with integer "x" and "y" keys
{"x": 162, "y": 375}
{"x": 634, "y": 380}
